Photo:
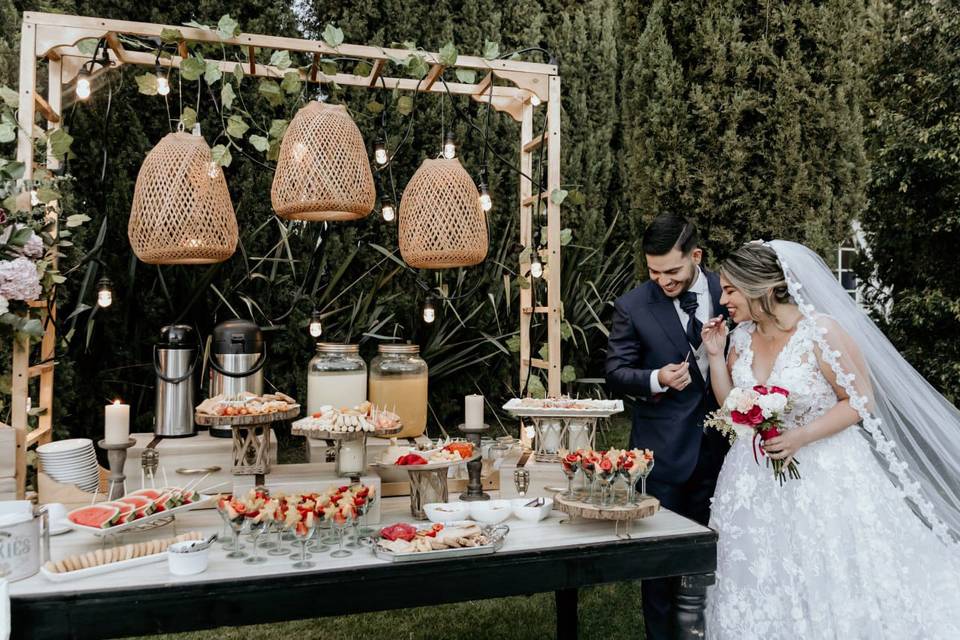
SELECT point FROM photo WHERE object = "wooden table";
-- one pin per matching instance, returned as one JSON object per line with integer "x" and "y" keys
{"x": 549, "y": 556}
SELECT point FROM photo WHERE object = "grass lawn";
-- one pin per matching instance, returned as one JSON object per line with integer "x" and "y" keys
{"x": 611, "y": 612}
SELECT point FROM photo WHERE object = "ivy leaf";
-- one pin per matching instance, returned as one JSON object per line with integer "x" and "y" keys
{"x": 8, "y": 133}
{"x": 417, "y": 66}
{"x": 192, "y": 68}
{"x": 221, "y": 155}
{"x": 77, "y": 219}
{"x": 60, "y": 142}
{"x": 13, "y": 170}
{"x": 196, "y": 25}
{"x": 468, "y": 76}
{"x": 236, "y": 127}
{"x": 448, "y": 55}
{"x": 513, "y": 344}
{"x": 10, "y": 97}
{"x": 374, "y": 107}
{"x": 280, "y": 60}
{"x": 238, "y": 73}
{"x": 328, "y": 67}
{"x": 557, "y": 196}
{"x": 227, "y": 27}
{"x": 259, "y": 143}
{"x": 87, "y": 46}
{"x": 535, "y": 388}
{"x": 568, "y": 374}
{"x": 278, "y": 128}
{"x": 273, "y": 153}
{"x": 544, "y": 352}
{"x": 211, "y": 72}
{"x": 147, "y": 84}
{"x": 47, "y": 195}
{"x": 525, "y": 255}
{"x": 333, "y": 36}
{"x": 362, "y": 69}
{"x": 566, "y": 235}
{"x": 169, "y": 36}
{"x": 566, "y": 331}
{"x": 405, "y": 105}
{"x": 491, "y": 50}
{"x": 188, "y": 118}
{"x": 227, "y": 95}
{"x": 522, "y": 282}
{"x": 576, "y": 197}
{"x": 291, "y": 82}
{"x": 270, "y": 90}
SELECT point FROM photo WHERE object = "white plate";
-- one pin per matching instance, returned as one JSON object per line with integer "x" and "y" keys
{"x": 59, "y": 527}
{"x": 103, "y": 568}
{"x": 63, "y": 446}
{"x": 77, "y": 477}
{"x": 607, "y": 409}
{"x": 134, "y": 524}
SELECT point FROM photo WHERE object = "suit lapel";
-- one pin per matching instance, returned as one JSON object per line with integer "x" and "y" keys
{"x": 666, "y": 314}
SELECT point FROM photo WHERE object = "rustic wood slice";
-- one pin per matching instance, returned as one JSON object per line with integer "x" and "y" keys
{"x": 646, "y": 508}
{"x": 239, "y": 421}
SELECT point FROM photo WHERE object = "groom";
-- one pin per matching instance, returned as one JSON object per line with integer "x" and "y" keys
{"x": 655, "y": 353}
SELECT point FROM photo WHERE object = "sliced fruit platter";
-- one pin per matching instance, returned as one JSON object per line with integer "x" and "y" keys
{"x": 247, "y": 404}
{"x": 93, "y": 563}
{"x": 563, "y": 407}
{"x": 134, "y": 510}
{"x": 404, "y": 542}
{"x": 451, "y": 454}
{"x": 363, "y": 418}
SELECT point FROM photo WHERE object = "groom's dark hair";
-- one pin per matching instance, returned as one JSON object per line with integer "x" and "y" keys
{"x": 668, "y": 232}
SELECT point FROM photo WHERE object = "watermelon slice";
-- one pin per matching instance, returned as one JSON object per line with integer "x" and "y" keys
{"x": 153, "y": 494}
{"x": 127, "y": 511}
{"x": 98, "y": 516}
{"x": 142, "y": 504}
{"x": 164, "y": 502}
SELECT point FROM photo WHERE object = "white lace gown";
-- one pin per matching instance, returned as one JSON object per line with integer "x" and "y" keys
{"x": 836, "y": 554}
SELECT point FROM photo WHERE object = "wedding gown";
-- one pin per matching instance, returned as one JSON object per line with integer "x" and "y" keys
{"x": 836, "y": 554}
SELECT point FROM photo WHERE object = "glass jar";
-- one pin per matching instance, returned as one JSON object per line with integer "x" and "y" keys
{"x": 336, "y": 376}
{"x": 398, "y": 382}
{"x": 352, "y": 456}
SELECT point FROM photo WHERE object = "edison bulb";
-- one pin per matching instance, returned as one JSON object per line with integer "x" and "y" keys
{"x": 163, "y": 85}
{"x": 316, "y": 329}
{"x": 449, "y": 147}
{"x": 535, "y": 100}
{"x": 299, "y": 152}
{"x": 486, "y": 203}
{"x": 536, "y": 267}
{"x": 104, "y": 298}
{"x": 83, "y": 87}
{"x": 388, "y": 212}
{"x": 429, "y": 312}
{"x": 380, "y": 153}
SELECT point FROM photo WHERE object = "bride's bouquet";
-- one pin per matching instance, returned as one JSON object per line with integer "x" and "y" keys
{"x": 757, "y": 413}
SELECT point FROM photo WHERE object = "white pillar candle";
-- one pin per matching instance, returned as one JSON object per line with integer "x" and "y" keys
{"x": 551, "y": 436}
{"x": 578, "y": 433}
{"x": 350, "y": 457}
{"x": 116, "y": 423}
{"x": 473, "y": 411}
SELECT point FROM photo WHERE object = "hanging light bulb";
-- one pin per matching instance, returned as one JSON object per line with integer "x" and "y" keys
{"x": 83, "y": 84}
{"x": 387, "y": 210}
{"x": 380, "y": 152}
{"x": 486, "y": 203}
{"x": 536, "y": 267}
{"x": 104, "y": 293}
{"x": 450, "y": 147}
{"x": 316, "y": 328}
{"x": 534, "y": 99}
{"x": 163, "y": 85}
{"x": 429, "y": 311}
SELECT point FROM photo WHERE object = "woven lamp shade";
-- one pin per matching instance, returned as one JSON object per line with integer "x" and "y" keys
{"x": 441, "y": 223}
{"x": 323, "y": 172}
{"x": 181, "y": 211}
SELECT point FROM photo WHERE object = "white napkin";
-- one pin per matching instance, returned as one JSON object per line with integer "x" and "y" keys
{"x": 4, "y": 609}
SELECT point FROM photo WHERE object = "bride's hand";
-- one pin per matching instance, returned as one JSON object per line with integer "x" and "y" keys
{"x": 714, "y": 335}
{"x": 785, "y": 445}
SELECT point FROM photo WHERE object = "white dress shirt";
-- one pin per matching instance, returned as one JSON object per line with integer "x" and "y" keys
{"x": 700, "y": 287}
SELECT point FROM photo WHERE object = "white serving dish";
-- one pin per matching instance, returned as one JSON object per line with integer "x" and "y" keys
{"x": 447, "y": 511}
{"x": 60, "y": 447}
{"x": 490, "y": 512}
{"x": 185, "y": 562}
{"x": 531, "y": 514}
{"x": 136, "y": 524}
{"x": 497, "y": 535}
{"x": 67, "y": 576}
{"x": 602, "y": 409}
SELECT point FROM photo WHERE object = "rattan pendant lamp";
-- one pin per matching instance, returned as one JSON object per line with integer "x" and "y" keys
{"x": 323, "y": 172}
{"x": 182, "y": 213}
{"x": 442, "y": 224}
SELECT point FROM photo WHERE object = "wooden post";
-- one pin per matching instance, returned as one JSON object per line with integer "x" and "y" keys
{"x": 526, "y": 239}
{"x": 554, "y": 302}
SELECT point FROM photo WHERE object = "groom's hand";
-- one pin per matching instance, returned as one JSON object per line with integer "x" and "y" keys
{"x": 675, "y": 376}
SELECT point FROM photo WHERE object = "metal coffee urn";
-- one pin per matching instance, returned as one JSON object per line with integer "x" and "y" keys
{"x": 237, "y": 356}
{"x": 174, "y": 360}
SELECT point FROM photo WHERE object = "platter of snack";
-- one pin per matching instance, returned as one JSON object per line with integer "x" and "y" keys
{"x": 449, "y": 455}
{"x": 92, "y": 563}
{"x": 247, "y": 408}
{"x": 404, "y": 542}
{"x": 137, "y": 510}
{"x": 331, "y": 423}
{"x": 563, "y": 407}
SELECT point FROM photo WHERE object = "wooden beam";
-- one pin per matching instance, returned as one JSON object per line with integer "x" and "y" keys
{"x": 537, "y": 363}
{"x": 252, "y": 54}
{"x": 531, "y": 200}
{"x": 553, "y": 278}
{"x": 38, "y": 369}
{"x": 114, "y": 43}
{"x": 183, "y": 49}
{"x": 375, "y": 73}
{"x": 535, "y": 143}
{"x": 37, "y": 436}
{"x": 526, "y": 239}
{"x": 432, "y": 75}
{"x": 313, "y": 67}
{"x": 45, "y": 109}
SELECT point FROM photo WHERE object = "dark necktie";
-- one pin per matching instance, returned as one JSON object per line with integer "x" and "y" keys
{"x": 688, "y": 302}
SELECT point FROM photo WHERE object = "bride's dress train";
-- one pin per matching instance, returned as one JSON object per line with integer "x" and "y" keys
{"x": 837, "y": 554}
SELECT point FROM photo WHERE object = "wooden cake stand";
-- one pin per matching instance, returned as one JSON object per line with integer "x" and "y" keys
{"x": 251, "y": 439}
{"x": 645, "y": 507}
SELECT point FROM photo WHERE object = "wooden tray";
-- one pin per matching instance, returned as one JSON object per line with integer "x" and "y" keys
{"x": 243, "y": 421}
{"x": 575, "y": 508}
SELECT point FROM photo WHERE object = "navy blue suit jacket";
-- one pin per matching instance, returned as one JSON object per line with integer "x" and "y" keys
{"x": 647, "y": 334}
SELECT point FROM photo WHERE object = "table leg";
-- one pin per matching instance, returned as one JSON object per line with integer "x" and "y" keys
{"x": 691, "y": 599}
{"x": 567, "y": 619}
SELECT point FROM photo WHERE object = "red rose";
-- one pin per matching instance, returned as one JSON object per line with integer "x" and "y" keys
{"x": 751, "y": 418}
{"x": 780, "y": 390}
{"x": 769, "y": 432}
{"x": 762, "y": 390}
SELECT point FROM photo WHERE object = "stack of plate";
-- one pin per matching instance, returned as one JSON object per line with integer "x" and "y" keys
{"x": 71, "y": 462}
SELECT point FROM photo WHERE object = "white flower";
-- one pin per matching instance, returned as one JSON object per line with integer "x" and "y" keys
{"x": 19, "y": 279}
{"x": 772, "y": 404}
{"x": 4, "y": 305}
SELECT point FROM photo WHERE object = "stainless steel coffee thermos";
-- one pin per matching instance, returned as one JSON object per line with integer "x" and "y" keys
{"x": 174, "y": 361}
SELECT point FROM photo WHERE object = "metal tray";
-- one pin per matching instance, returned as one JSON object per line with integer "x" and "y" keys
{"x": 496, "y": 533}
{"x": 518, "y": 409}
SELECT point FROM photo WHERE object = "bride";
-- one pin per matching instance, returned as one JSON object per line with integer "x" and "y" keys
{"x": 865, "y": 544}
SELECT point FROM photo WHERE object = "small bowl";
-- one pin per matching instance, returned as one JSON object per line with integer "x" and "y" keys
{"x": 490, "y": 511}
{"x": 531, "y": 514}
{"x": 446, "y": 511}
{"x": 185, "y": 562}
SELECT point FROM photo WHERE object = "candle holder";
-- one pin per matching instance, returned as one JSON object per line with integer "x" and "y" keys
{"x": 117, "y": 457}
{"x": 474, "y": 492}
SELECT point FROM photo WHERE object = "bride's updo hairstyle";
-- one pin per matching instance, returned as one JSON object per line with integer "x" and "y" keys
{"x": 755, "y": 271}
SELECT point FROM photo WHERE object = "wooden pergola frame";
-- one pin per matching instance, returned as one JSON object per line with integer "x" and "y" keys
{"x": 512, "y": 87}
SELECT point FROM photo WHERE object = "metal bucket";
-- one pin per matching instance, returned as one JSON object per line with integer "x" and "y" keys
{"x": 24, "y": 539}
